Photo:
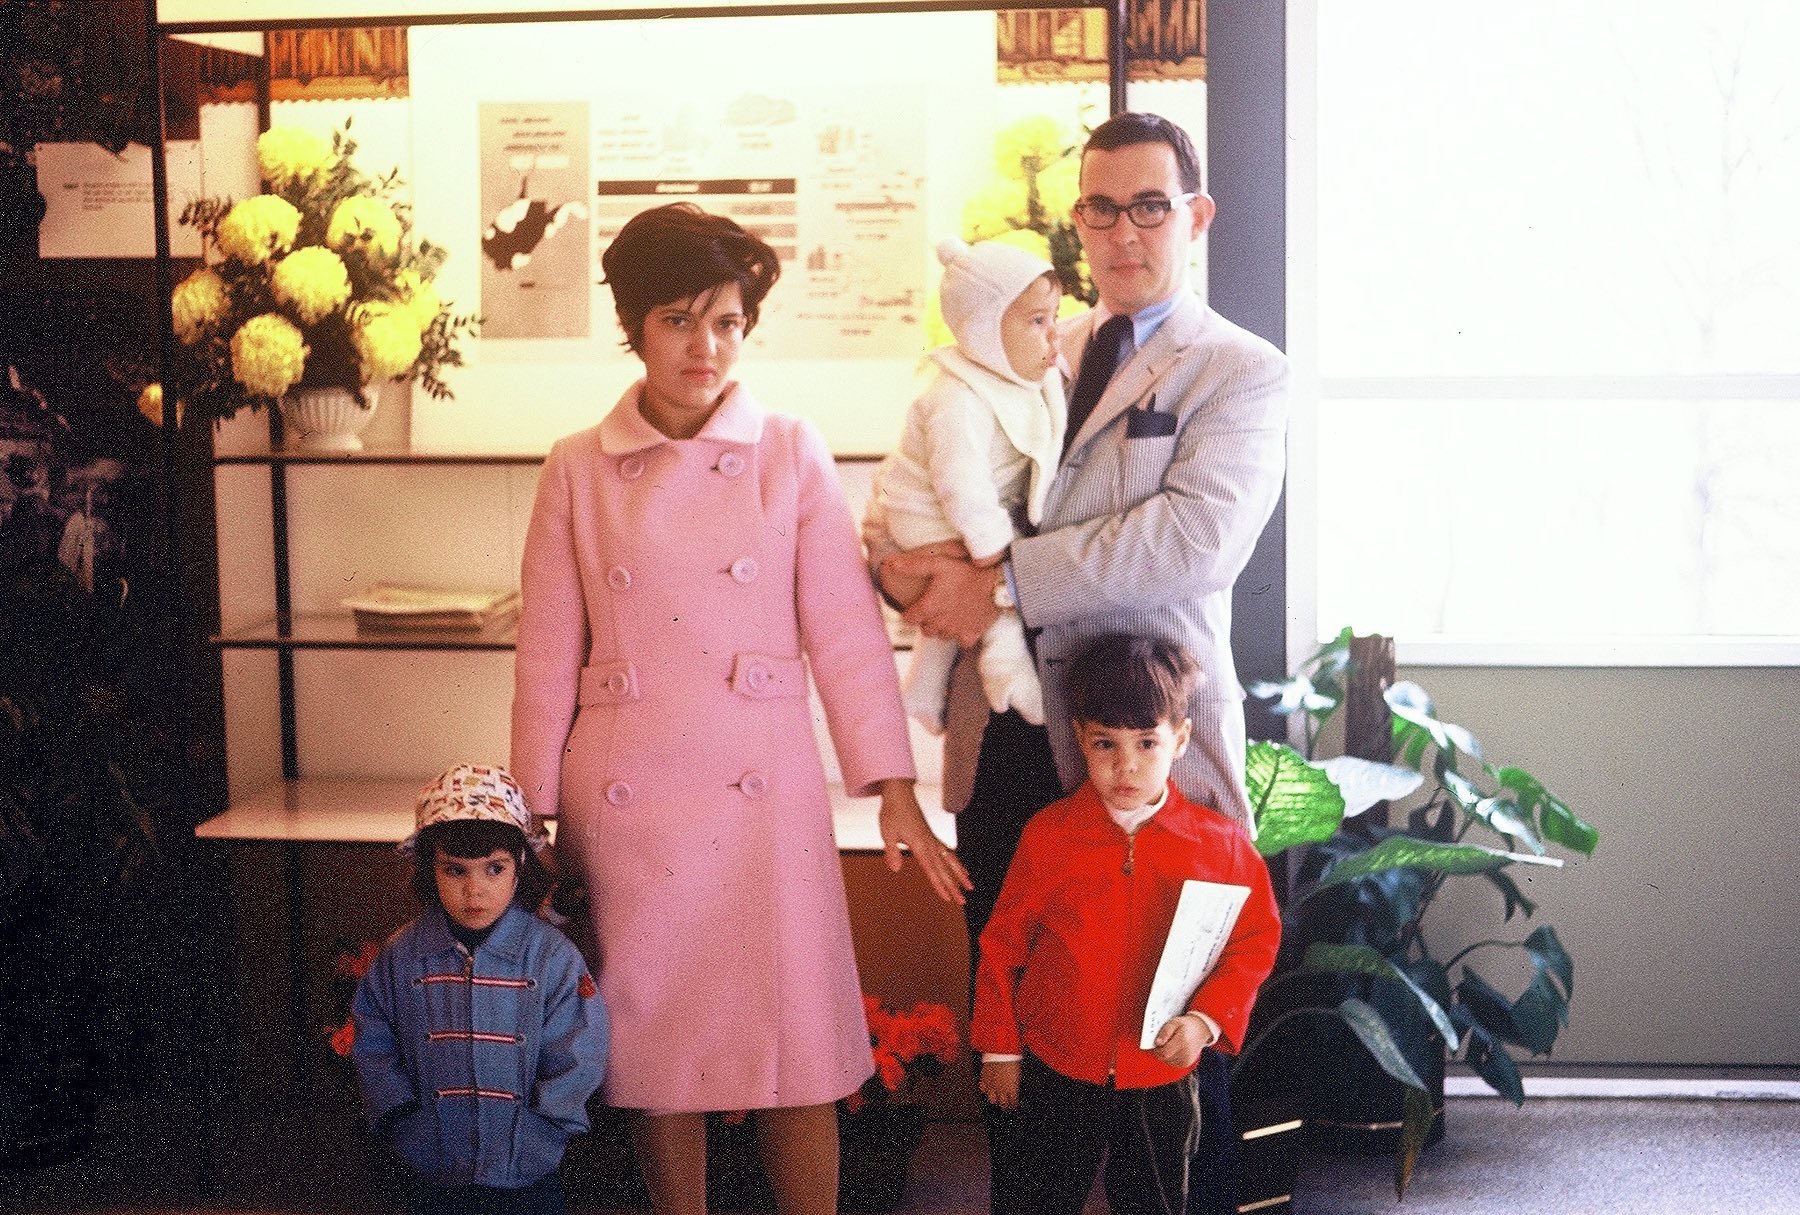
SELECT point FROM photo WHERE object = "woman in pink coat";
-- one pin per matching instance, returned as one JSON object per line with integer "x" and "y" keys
{"x": 689, "y": 560}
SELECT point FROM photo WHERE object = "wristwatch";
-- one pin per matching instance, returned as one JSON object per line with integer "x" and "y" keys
{"x": 1003, "y": 592}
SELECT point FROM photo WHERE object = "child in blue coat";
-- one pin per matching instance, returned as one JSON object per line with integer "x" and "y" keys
{"x": 479, "y": 1033}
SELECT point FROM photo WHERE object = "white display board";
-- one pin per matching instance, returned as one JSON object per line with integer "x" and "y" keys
{"x": 850, "y": 142}
{"x": 98, "y": 204}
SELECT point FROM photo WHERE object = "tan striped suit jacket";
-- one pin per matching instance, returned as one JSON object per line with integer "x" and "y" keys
{"x": 1146, "y": 532}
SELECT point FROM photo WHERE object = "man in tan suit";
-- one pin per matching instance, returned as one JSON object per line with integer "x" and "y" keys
{"x": 1166, "y": 482}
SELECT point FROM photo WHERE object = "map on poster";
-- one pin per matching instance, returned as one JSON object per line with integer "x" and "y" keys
{"x": 534, "y": 211}
{"x": 832, "y": 179}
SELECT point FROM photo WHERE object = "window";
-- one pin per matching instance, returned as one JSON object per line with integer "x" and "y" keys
{"x": 1547, "y": 301}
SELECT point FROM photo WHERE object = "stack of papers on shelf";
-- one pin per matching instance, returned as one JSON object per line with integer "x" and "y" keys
{"x": 387, "y": 606}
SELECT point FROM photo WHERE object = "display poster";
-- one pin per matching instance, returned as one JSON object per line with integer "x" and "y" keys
{"x": 832, "y": 179}
{"x": 534, "y": 238}
{"x": 97, "y": 204}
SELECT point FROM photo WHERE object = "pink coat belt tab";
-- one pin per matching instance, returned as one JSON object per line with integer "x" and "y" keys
{"x": 766, "y": 677}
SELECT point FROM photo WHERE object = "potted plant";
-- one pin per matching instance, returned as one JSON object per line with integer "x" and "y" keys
{"x": 1360, "y": 985}
{"x": 313, "y": 291}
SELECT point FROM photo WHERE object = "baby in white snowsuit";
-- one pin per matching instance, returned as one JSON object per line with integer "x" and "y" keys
{"x": 980, "y": 446}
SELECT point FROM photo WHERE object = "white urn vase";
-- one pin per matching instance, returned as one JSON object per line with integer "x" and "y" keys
{"x": 326, "y": 420}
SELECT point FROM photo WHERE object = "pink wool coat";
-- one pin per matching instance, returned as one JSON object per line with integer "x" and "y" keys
{"x": 675, "y": 594}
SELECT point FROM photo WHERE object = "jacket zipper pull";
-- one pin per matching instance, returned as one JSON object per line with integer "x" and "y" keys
{"x": 1130, "y": 852}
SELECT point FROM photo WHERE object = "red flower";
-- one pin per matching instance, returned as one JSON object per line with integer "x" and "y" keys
{"x": 905, "y": 1043}
{"x": 586, "y": 987}
{"x": 354, "y": 965}
{"x": 343, "y": 1037}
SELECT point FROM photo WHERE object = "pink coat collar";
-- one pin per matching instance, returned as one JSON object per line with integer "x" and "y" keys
{"x": 738, "y": 419}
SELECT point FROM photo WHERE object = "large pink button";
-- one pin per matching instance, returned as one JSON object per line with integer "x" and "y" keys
{"x": 631, "y": 467}
{"x": 731, "y": 464}
{"x": 753, "y": 784}
{"x": 744, "y": 569}
{"x": 618, "y": 577}
{"x": 618, "y": 793}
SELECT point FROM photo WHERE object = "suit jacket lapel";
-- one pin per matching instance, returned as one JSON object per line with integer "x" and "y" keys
{"x": 1133, "y": 383}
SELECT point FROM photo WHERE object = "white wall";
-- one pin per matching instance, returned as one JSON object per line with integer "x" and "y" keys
{"x": 1684, "y": 925}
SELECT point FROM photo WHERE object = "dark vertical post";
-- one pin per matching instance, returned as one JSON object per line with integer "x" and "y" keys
{"x": 1118, "y": 28}
{"x": 1246, "y": 143}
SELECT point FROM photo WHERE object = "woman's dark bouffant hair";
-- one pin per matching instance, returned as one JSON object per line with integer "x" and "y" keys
{"x": 1134, "y": 683}
{"x": 677, "y": 252}
{"x": 471, "y": 839}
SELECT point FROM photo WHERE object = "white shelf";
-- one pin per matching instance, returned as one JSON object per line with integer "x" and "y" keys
{"x": 379, "y": 810}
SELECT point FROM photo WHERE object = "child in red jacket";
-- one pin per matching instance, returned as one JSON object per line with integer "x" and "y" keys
{"x": 1068, "y": 957}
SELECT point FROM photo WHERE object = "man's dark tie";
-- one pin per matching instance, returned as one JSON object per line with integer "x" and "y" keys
{"x": 1097, "y": 364}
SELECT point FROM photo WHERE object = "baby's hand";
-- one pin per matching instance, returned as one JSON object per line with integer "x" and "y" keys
{"x": 1000, "y": 1083}
{"x": 1181, "y": 1039}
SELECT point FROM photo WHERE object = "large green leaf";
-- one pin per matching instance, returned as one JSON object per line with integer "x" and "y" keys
{"x": 1364, "y": 782}
{"x": 1501, "y": 815}
{"x": 1415, "y": 1127}
{"x": 1548, "y": 952}
{"x": 1410, "y": 703}
{"x": 1539, "y": 1014}
{"x": 1491, "y": 1010}
{"x": 1293, "y": 801}
{"x": 1494, "y": 1065}
{"x": 1554, "y": 817}
{"x": 1322, "y": 956}
{"x": 1373, "y": 1033}
{"x": 1410, "y": 851}
{"x": 1295, "y": 694}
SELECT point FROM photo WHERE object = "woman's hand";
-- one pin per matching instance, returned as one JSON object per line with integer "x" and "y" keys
{"x": 903, "y": 824}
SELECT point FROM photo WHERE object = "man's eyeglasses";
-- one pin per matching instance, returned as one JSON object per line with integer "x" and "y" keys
{"x": 1102, "y": 213}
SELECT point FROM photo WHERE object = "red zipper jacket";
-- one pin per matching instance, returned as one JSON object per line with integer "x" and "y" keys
{"x": 1068, "y": 956}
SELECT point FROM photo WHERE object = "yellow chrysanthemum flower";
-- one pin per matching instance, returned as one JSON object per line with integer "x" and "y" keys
{"x": 288, "y": 155}
{"x": 360, "y": 219}
{"x": 268, "y": 354}
{"x": 1029, "y": 145}
{"x": 1059, "y": 185}
{"x": 197, "y": 303}
{"x": 386, "y": 338}
{"x": 420, "y": 296}
{"x": 998, "y": 207}
{"x": 311, "y": 281}
{"x": 259, "y": 228}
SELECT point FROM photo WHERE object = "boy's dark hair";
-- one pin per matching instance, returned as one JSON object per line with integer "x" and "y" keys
{"x": 471, "y": 839}
{"x": 679, "y": 251}
{"x": 1128, "y": 682}
{"x": 1124, "y": 130}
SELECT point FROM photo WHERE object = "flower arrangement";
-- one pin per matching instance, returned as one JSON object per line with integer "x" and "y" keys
{"x": 908, "y": 1046}
{"x": 1031, "y": 202}
{"x": 315, "y": 283}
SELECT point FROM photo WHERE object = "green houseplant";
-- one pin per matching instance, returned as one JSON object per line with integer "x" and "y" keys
{"x": 1359, "y": 978}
